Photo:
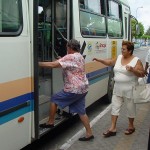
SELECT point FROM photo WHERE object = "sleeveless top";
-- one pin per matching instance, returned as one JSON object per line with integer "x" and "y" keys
{"x": 124, "y": 80}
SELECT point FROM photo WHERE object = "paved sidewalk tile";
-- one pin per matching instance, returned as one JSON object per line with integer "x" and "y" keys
{"x": 136, "y": 141}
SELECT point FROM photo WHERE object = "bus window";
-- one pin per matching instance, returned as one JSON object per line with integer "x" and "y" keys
{"x": 10, "y": 17}
{"x": 114, "y": 19}
{"x": 93, "y": 6}
{"x": 45, "y": 29}
{"x": 91, "y": 24}
{"x": 113, "y": 9}
{"x": 44, "y": 32}
{"x": 114, "y": 28}
{"x": 92, "y": 20}
{"x": 61, "y": 23}
{"x": 61, "y": 14}
{"x": 96, "y": 6}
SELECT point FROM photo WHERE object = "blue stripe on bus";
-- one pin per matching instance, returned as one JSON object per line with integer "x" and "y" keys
{"x": 95, "y": 77}
{"x": 98, "y": 75}
{"x": 15, "y": 101}
{"x": 97, "y": 72}
{"x": 98, "y": 79}
{"x": 18, "y": 113}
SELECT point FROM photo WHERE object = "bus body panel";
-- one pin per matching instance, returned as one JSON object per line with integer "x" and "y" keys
{"x": 25, "y": 89}
{"x": 16, "y": 135}
{"x": 16, "y": 86}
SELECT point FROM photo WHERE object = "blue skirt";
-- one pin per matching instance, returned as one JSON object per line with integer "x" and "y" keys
{"x": 76, "y": 102}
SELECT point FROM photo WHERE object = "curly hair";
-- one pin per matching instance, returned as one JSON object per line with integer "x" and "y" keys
{"x": 130, "y": 46}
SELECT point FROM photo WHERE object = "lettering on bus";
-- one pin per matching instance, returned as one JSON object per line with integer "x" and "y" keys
{"x": 89, "y": 47}
{"x": 100, "y": 47}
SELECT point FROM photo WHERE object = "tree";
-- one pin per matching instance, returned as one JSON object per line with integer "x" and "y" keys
{"x": 145, "y": 37}
{"x": 141, "y": 30}
{"x": 133, "y": 27}
{"x": 148, "y": 31}
{"x": 134, "y": 32}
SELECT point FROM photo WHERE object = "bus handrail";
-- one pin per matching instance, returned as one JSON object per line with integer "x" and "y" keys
{"x": 60, "y": 33}
{"x": 13, "y": 109}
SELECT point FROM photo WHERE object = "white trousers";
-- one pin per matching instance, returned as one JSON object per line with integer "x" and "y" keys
{"x": 117, "y": 103}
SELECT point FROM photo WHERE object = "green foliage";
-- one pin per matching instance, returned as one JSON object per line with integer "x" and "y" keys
{"x": 141, "y": 30}
{"x": 134, "y": 30}
{"x": 145, "y": 36}
{"x": 148, "y": 31}
{"x": 133, "y": 27}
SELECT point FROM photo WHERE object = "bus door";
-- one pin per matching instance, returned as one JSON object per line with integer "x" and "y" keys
{"x": 53, "y": 33}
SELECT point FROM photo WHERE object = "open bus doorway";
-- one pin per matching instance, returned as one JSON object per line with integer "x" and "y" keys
{"x": 52, "y": 39}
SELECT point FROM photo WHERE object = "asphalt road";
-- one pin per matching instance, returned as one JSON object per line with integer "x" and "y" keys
{"x": 141, "y": 53}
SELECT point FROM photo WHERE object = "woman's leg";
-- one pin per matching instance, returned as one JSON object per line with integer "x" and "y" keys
{"x": 116, "y": 106}
{"x": 131, "y": 123}
{"x": 113, "y": 123}
{"x": 53, "y": 109}
{"x": 131, "y": 113}
{"x": 112, "y": 130}
{"x": 85, "y": 120}
{"x": 50, "y": 123}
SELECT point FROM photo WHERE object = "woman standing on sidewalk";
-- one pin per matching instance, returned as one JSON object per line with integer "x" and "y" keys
{"x": 127, "y": 69}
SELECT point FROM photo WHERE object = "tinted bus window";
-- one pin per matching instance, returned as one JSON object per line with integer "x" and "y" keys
{"x": 10, "y": 16}
{"x": 114, "y": 28}
{"x": 92, "y": 24}
{"x": 113, "y": 9}
{"x": 92, "y": 19}
{"x": 114, "y": 19}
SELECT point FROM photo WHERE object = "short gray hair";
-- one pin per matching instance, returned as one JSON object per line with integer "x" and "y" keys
{"x": 74, "y": 44}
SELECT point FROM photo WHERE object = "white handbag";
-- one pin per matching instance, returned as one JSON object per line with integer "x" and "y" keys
{"x": 141, "y": 93}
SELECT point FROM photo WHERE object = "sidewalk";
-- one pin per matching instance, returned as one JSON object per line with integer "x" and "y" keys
{"x": 136, "y": 141}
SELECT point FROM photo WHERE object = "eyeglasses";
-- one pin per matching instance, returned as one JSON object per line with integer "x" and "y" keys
{"x": 123, "y": 49}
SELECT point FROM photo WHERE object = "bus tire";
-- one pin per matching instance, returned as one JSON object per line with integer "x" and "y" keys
{"x": 110, "y": 88}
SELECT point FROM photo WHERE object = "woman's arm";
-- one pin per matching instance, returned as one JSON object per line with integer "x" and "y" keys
{"x": 138, "y": 70}
{"x": 107, "y": 62}
{"x": 54, "y": 64}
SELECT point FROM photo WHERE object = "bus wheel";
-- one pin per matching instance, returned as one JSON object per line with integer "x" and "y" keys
{"x": 110, "y": 87}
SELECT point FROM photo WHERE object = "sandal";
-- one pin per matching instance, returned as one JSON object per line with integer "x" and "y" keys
{"x": 129, "y": 131}
{"x": 44, "y": 125}
{"x": 109, "y": 133}
{"x": 86, "y": 138}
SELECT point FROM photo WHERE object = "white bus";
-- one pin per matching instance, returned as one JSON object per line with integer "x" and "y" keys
{"x": 37, "y": 30}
